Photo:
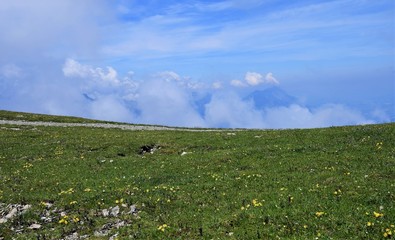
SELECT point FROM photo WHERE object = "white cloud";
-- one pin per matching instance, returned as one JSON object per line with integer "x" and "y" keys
{"x": 297, "y": 116}
{"x": 167, "y": 103}
{"x": 216, "y": 85}
{"x": 112, "y": 109}
{"x": 253, "y": 78}
{"x": 168, "y": 76}
{"x": 237, "y": 83}
{"x": 73, "y": 68}
{"x": 228, "y": 110}
{"x": 270, "y": 79}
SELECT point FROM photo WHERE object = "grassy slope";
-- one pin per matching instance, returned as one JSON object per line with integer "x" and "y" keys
{"x": 347, "y": 173}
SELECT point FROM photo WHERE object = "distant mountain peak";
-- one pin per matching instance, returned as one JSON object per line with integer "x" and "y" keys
{"x": 271, "y": 97}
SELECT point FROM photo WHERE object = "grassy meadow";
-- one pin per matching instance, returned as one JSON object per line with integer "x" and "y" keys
{"x": 329, "y": 183}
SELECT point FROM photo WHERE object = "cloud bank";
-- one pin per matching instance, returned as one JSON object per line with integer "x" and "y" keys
{"x": 166, "y": 98}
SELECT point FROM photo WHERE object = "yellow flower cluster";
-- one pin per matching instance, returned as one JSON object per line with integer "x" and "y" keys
{"x": 69, "y": 191}
{"x": 379, "y": 145}
{"x": 120, "y": 201}
{"x": 255, "y": 203}
{"x": 388, "y": 232}
{"x": 378, "y": 215}
{"x": 27, "y": 165}
{"x": 163, "y": 227}
{"x": 76, "y": 219}
{"x": 337, "y": 192}
{"x": 64, "y": 220}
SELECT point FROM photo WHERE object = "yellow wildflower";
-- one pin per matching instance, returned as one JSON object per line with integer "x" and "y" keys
{"x": 119, "y": 201}
{"x": 64, "y": 220}
{"x": 163, "y": 227}
{"x": 369, "y": 224}
{"x": 377, "y": 215}
{"x": 255, "y": 203}
{"x": 319, "y": 214}
{"x": 388, "y": 232}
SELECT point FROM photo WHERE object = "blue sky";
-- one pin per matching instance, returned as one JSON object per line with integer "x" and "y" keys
{"x": 196, "y": 63}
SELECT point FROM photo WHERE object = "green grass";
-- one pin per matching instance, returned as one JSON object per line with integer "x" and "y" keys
{"x": 246, "y": 184}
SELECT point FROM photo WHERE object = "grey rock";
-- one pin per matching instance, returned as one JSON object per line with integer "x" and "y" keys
{"x": 12, "y": 213}
{"x": 115, "y": 211}
{"x": 105, "y": 212}
{"x": 35, "y": 226}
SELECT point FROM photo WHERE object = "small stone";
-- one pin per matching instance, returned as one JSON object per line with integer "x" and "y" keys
{"x": 101, "y": 233}
{"x": 119, "y": 224}
{"x": 35, "y": 226}
{"x": 133, "y": 209}
{"x": 105, "y": 212}
{"x": 115, "y": 211}
{"x": 73, "y": 236}
{"x": 12, "y": 213}
{"x": 26, "y": 207}
{"x": 3, "y": 220}
{"x": 113, "y": 237}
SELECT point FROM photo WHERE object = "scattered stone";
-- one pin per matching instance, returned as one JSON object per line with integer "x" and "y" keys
{"x": 35, "y": 226}
{"x": 119, "y": 224}
{"x": 114, "y": 211}
{"x": 105, "y": 212}
{"x": 113, "y": 237}
{"x": 74, "y": 236}
{"x": 133, "y": 209}
{"x": 12, "y": 213}
{"x": 101, "y": 233}
{"x": 184, "y": 153}
{"x": 26, "y": 207}
{"x": 148, "y": 149}
{"x": 12, "y": 210}
{"x": 47, "y": 204}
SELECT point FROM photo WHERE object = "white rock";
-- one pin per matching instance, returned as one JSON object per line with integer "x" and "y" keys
{"x": 3, "y": 220}
{"x": 12, "y": 213}
{"x": 119, "y": 224}
{"x": 35, "y": 226}
{"x": 113, "y": 237}
{"x": 115, "y": 211}
{"x": 26, "y": 207}
{"x": 105, "y": 212}
{"x": 73, "y": 236}
{"x": 133, "y": 209}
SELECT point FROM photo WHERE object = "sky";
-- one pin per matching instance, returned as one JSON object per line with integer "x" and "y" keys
{"x": 200, "y": 63}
